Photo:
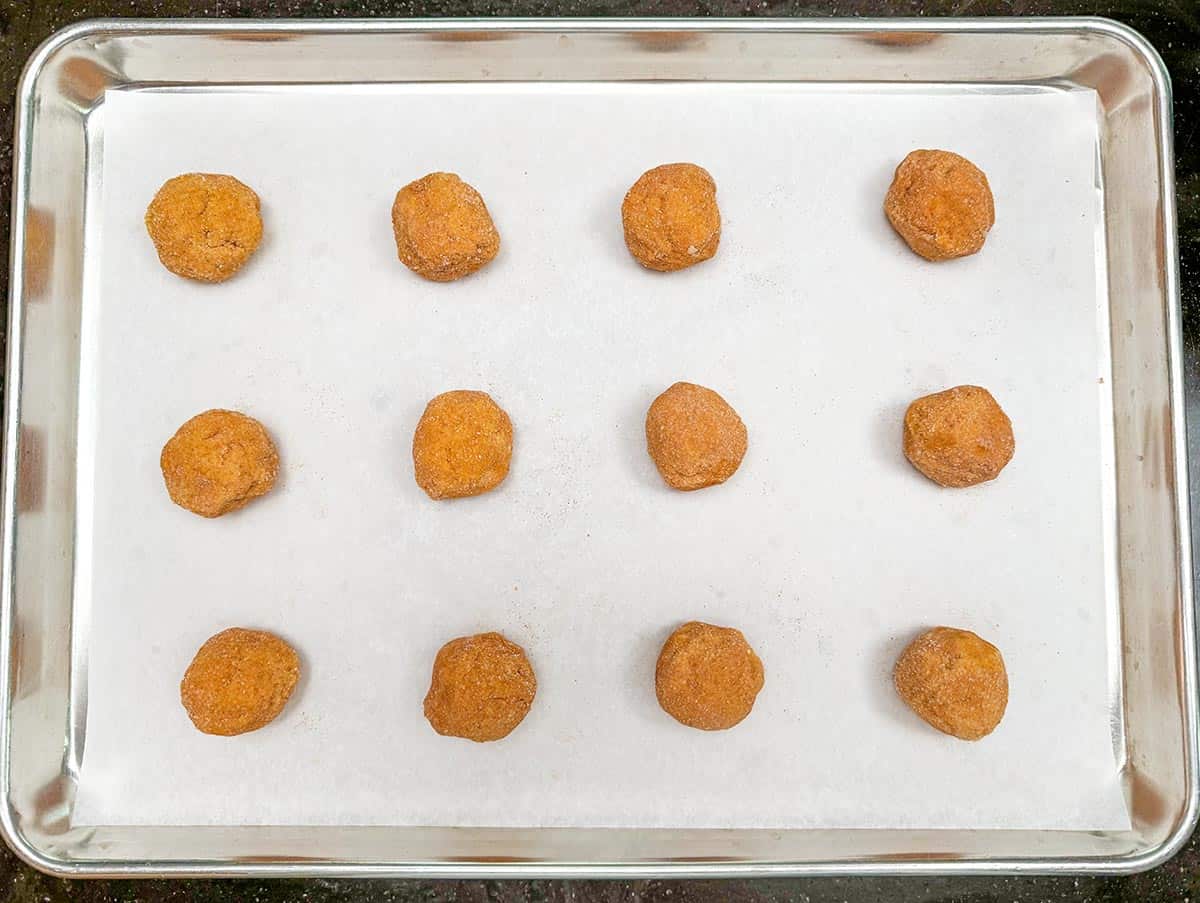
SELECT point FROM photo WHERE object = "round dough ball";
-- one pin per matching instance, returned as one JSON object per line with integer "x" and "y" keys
{"x": 462, "y": 445}
{"x": 204, "y": 226}
{"x": 695, "y": 438}
{"x": 239, "y": 681}
{"x": 671, "y": 218}
{"x": 959, "y": 437}
{"x": 481, "y": 689}
{"x": 443, "y": 228}
{"x": 955, "y": 681}
{"x": 941, "y": 204}
{"x": 218, "y": 461}
{"x": 707, "y": 677}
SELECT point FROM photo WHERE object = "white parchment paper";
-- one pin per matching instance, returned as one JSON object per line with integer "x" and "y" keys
{"x": 826, "y": 548}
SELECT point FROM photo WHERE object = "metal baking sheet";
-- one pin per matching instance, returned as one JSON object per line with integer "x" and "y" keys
{"x": 813, "y": 320}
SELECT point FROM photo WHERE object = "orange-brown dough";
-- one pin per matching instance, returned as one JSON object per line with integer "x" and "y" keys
{"x": 959, "y": 437}
{"x": 941, "y": 204}
{"x": 707, "y": 677}
{"x": 218, "y": 461}
{"x": 462, "y": 445}
{"x": 694, "y": 437}
{"x": 204, "y": 226}
{"x": 443, "y": 229}
{"x": 671, "y": 218}
{"x": 955, "y": 681}
{"x": 239, "y": 681}
{"x": 482, "y": 688}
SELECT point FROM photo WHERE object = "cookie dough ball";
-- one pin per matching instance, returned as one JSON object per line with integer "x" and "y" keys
{"x": 955, "y": 681}
{"x": 671, "y": 218}
{"x": 941, "y": 204}
{"x": 695, "y": 438}
{"x": 462, "y": 446}
{"x": 482, "y": 688}
{"x": 959, "y": 437}
{"x": 239, "y": 681}
{"x": 707, "y": 676}
{"x": 218, "y": 461}
{"x": 443, "y": 228}
{"x": 204, "y": 226}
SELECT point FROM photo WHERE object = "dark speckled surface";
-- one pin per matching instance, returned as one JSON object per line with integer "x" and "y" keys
{"x": 1172, "y": 25}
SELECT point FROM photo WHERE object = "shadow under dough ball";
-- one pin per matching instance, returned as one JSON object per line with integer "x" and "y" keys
{"x": 239, "y": 681}
{"x": 462, "y": 445}
{"x": 941, "y": 204}
{"x": 204, "y": 226}
{"x": 219, "y": 461}
{"x": 694, "y": 437}
{"x": 955, "y": 681}
{"x": 960, "y": 437}
{"x": 482, "y": 687}
{"x": 443, "y": 229}
{"x": 671, "y": 217}
{"x": 707, "y": 677}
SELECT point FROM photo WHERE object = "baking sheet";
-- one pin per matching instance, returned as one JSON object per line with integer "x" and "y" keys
{"x": 826, "y": 549}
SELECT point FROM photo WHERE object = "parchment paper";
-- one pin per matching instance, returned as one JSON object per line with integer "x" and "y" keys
{"x": 826, "y": 548}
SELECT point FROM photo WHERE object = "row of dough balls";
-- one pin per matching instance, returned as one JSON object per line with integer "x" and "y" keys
{"x": 220, "y": 460}
{"x": 482, "y": 686}
{"x": 206, "y": 226}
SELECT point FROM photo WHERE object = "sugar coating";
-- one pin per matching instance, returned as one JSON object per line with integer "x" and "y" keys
{"x": 204, "y": 226}
{"x": 239, "y": 681}
{"x": 462, "y": 445}
{"x": 482, "y": 687}
{"x": 941, "y": 204}
{"x": 218, "y": 462}
{"x": 707, "y": 676}
{"x": 442, "y": 227}
{"x": 954, "y": 680}
{"x": 694, "y": 437}
{"x": 671, "y": 218}
{"x": 959, "y": 437}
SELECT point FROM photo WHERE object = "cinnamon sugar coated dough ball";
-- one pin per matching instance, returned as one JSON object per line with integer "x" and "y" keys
{"x": 694, "y": 437}
{"x": 443, "y": 228}
{"x": 219, "y": 461}
{"x": 955, "y": 681}
{"x": 959, "y": 437}
{"x": 462, "y": 445}
{"x": 671, "y": 218}
{"x": 941, "y": 204}
{"x": 239, "y": 681}
{"x": 707, "y": 677}
{"x": 482, "y": 687}
{"x": 204, "y": 226}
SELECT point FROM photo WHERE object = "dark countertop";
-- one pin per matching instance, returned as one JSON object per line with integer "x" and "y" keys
{"x": 1173, "y": 26}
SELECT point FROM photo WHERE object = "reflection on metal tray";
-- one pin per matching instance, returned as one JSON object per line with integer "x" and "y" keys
{"x": 43, "y": 654}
